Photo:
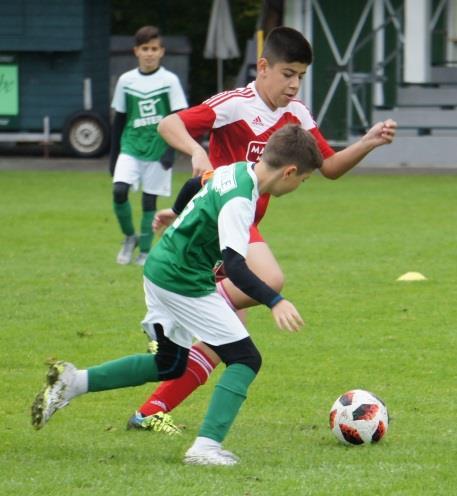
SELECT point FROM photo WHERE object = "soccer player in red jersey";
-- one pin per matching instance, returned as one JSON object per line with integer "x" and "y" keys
{"x": 240, "y": 122}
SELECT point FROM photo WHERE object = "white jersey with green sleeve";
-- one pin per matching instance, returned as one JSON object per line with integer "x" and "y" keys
{"x": 146, "y": 99}
{"x": 219, "y": 216}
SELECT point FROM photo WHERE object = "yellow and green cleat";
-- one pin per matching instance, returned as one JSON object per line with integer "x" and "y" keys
{"x": 158, "y": 422}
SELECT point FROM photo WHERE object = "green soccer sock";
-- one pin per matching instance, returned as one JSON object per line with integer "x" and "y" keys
{"x": 228, "y": 396}
{"x": 146, "y": 230}
{"x": 132, "y": 370}
{"x": 123, "y": 212}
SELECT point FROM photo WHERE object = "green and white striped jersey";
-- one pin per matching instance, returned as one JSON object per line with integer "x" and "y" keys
{"x": 219, "y": 216}
{"x": 146, "y": 99}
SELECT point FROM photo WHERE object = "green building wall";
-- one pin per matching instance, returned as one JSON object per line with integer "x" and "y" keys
{"x": 56, "y": 45}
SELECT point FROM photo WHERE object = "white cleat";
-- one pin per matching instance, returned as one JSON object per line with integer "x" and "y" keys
{"x": 210, "y": 456}
{"x": 54, "y": 395}
{"x": 141, "y": 258}
{"x": 124, "y": 256}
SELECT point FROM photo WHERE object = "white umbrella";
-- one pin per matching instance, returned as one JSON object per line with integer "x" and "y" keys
{"x": 220, "y": 41}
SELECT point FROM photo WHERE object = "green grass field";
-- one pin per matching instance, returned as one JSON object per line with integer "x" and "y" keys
{"x": 342, "y": 246}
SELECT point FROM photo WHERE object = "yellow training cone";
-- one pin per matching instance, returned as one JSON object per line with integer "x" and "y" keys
{"x": 412, "y": 276}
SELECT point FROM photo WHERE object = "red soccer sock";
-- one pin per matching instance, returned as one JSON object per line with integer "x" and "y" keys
{"x": 171, "y": 393}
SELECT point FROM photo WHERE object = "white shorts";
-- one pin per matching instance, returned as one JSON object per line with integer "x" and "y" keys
{"x": 206, "y": 318}
{"x": 155, "y": 180}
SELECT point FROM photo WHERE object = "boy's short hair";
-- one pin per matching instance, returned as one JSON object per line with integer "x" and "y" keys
{"x": 291, "y": 144}
{"x": 146, "y": 34}
{"x": 284, "y": 44}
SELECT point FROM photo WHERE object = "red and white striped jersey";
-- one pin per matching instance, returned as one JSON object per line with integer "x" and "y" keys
{"x": 240, "y": 123}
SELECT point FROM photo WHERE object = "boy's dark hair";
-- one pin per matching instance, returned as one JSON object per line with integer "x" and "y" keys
{"x": 285, "y": 44}
{"x": 146, "y": 34}
{"x": 291, "y": 144}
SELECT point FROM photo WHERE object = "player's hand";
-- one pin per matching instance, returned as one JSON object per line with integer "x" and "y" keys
{"x": 382, "y": 133}
{"x": 162, "y": 219}
{"x": 287, "y": 317}
{"x": 200, "y": 162}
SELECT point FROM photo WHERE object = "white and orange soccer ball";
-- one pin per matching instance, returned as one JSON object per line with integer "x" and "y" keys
{"x": 359, "y": 417}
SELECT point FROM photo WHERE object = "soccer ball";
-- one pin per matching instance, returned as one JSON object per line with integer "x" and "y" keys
{"x": 359, "y": 417}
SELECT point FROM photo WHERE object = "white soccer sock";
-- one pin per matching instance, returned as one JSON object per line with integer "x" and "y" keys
{"x": 79, "y": 385}
{"x": 205, "y": 443}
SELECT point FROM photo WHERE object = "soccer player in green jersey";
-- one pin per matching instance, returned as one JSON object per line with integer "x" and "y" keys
{"x": 182, "y": 301}
{"x": 239, "y": 123}
{"x": 142, "y": 98}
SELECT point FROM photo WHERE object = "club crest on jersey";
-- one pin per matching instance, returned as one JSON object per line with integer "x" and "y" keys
{"x": 255, "y": 150}
{"x": 224, "y": 180}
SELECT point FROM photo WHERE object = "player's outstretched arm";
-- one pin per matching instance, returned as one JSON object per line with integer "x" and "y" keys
{"x": 382, "y": 133}
{"x": 174, "y": 132}
{"x": 287, "y": 317}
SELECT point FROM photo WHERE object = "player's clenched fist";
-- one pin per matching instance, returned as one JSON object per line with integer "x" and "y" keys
{"x": 382, "y": 133}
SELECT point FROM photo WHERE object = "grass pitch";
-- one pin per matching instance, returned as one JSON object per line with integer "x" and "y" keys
{"x": 342, "y": 245}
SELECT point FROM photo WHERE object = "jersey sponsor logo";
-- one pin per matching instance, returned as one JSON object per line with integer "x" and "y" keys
{"x": 148, "y": 112}
{"x": 255, "y": 150}
{"x": 224, "y": 180}
{"x": 257, "y": 121}
{"x": 148, "y": 107}
{"x": 147, "y": 121}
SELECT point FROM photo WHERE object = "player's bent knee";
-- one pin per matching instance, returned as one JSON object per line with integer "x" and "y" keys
{"x": 242, "y": 352}
{"x": 273, "y": 276}
{"x": 253, "y": 360}
{"x": 120, "y": 192}
{"x": 276, "y": 280}
{"x": 149, "y": 202}
{"x": 263, "y": 263}
{"x": 172, "y": 365}
{"x": 171, "y": 359}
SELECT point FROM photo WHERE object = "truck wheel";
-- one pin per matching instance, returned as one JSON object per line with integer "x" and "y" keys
{"x": 86, "y": 134}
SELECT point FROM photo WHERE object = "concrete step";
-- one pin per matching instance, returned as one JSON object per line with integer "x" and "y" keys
{"x": 417, "y": 151}
{"x": 427, "y": 95}
{"x": 419, "y": 117}
{"x": 412, "y": 131}
{"x": 443, "y": 75}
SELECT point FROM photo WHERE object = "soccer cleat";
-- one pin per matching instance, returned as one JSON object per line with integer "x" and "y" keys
{"x": 54, "y": 394}
{"x": 213, "y": 455}
{"x": 141, "y": 258}
{"x": 135, "y": 422}
{"x": 124, "y": 256}
{"x": 158, "y": 422}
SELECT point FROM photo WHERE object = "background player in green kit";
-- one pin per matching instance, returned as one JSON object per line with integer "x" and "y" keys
{"x": 143, "y": 96}
{"x": 182, "y": 301}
